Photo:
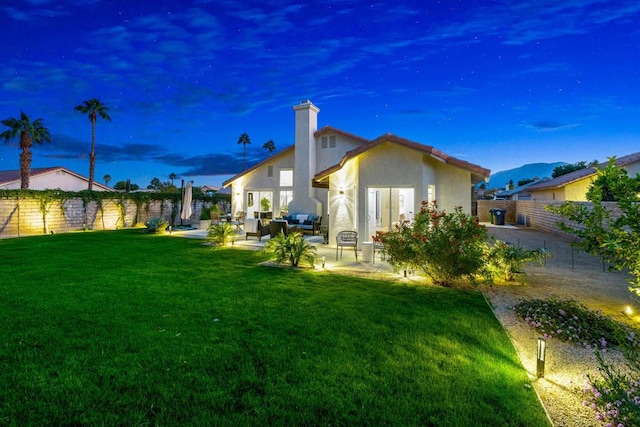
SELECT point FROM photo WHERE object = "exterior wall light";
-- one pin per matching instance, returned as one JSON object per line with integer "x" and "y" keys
{"x": 341, "y": 193}
{"x": 542, "y": 347}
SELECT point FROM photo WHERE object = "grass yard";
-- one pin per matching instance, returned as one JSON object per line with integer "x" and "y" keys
{"x": 126, "y": 328}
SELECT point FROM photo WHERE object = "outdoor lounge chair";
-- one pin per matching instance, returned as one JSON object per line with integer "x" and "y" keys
{"x": 254, "y": 227}
{"x": 239, "y": 220}
{"x": 277, "y": 226}
{"x": 348, "y": 239}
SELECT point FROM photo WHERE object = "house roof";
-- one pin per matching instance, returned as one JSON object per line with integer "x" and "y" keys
{"x": 580, "y": 174}
{"x": 256, "y": 166}
{"x": 14, "y": 175}
{"x": 516, "y": 190}
{"x": 331, "y": 129}
{"x": 325, "y": 130}
{"x": 424, "y": 149}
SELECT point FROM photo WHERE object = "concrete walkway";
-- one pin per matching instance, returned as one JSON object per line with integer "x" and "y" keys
{"x": 345, "y": 263}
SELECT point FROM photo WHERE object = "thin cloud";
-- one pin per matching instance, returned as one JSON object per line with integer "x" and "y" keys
{"x": 549, "y": 126}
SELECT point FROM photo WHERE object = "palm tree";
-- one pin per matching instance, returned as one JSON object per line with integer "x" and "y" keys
{"x": 270, "y": 146}
{"x": 93, "y": 107}
{"x": 107, "y": 178}
{"x": 172, "y": 176}
{"x": 29, "y": 132}
{"x": 244, "y": 140}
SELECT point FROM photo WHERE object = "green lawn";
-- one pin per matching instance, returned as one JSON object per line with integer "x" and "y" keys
{"x": 126, "y": 328}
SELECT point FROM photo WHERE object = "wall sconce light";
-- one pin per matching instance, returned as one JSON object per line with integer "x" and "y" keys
{"x": 323, "y": 259}
{"x": 542, "y": 347}
{"x": 341, "y": 193}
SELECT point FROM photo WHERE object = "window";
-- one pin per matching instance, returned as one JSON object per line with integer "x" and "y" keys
{"x": 269, "y": 171}
{"x": 332, "y": 141}
{"x": 324, "y": 142}
{"x": 286, "y": 178}
{"x": 431, "y": 193}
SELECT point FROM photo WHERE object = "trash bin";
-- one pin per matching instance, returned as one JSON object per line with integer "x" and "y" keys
{"x": 498, "y": 215}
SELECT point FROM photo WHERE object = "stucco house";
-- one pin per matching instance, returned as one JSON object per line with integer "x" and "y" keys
{"x": 54, "y": 178}
{"x": 522, "y": 192}
{"x": 573, "y": 186}
{"x": 353, "y": 183}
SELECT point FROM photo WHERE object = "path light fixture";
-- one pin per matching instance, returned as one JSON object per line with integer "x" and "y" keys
{"x": 323, "y": 259}
{"x": 542, "y": 347}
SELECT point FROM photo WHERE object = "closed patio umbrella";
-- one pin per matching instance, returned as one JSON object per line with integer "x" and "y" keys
{"x": 186, "y": 202}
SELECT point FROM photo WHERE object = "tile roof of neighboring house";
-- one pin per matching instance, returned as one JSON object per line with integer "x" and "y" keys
{"x": 516, "y": 190}
{"x": 574, "y": 176}
{"x": 424, "y": 149}
{"x": 14, "y": 175}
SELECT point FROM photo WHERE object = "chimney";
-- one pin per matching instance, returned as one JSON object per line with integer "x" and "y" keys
{"x": 305, "y": 159}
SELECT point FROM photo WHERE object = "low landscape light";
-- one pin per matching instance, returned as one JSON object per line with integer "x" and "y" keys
{"x": 323, "y": 260}
{"x": 628, "y": 310}
{"x": 542, "y": 347}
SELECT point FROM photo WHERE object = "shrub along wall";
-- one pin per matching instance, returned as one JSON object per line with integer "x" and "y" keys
{"x": 533, "y": 213}
{"x": 31, "y": 212}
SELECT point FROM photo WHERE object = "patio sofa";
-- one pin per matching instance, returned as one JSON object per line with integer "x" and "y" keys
{"x": 304, "y": 221}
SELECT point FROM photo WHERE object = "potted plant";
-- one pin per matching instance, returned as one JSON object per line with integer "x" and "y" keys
{"x": 265, "y": 207}
{"x": 205, "y": 219}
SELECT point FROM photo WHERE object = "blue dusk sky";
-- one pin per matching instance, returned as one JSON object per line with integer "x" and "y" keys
{"x": 496, "y": 83}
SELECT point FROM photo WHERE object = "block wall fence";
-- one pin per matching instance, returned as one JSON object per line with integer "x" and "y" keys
{"x": 25, "y": 217}
{"x": 533, "y": 213}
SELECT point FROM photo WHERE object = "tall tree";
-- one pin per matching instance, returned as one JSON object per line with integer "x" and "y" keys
{"x": 107, "y": 178}
{"x": 270, "y": 146}
{"x": 29, "y": 132}
{"x": 244, "y": 140}
{"x": 94, "y": 107}
{"x": 172, "y": 176}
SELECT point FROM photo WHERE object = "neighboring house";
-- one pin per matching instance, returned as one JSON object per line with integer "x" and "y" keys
{"x": 573, "y": 186}
{"x": 519, "y": 193}
{"x": 55, "y": 178}
{"x": 354, "y": 183}
{"x": 209, "y": 189}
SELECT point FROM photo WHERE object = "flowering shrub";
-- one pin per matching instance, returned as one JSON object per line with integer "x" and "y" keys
{"x": 570, "y": 321}
{"x": 447, "y": 247}
{"x": 614, "y": 395}
{"x": 507, "y": 260}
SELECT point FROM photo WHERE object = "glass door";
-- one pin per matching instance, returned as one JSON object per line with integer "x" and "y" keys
{"x": 388, "y": 206}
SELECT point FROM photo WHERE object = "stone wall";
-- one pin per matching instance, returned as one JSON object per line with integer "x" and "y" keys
{"x": 24, "y": 216}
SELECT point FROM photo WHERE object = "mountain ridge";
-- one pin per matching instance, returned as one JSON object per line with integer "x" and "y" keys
{"x": 528, "y": 171}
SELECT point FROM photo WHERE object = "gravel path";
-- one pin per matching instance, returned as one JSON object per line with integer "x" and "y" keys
{"x": 561, "y": 389}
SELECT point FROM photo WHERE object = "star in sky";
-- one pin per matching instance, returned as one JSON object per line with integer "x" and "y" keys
{"x": 496, "y": 83}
